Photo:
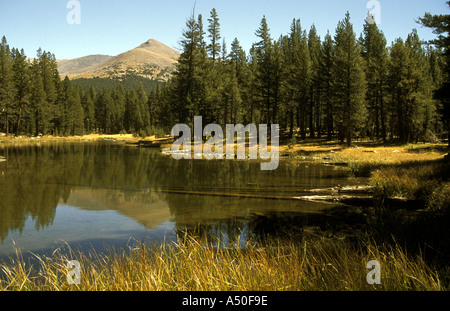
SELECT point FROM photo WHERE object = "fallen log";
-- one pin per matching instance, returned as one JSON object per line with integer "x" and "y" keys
{"x": 354, "y": 200}
{"x": 335, "y": 163}
{"x": 239, "y": 195}
{"x": 153, "y": 143}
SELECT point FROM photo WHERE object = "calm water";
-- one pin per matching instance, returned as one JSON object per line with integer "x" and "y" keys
{"x": 97, "y": 194}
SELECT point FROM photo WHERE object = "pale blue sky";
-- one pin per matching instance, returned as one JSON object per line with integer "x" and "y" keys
{"x": 115, "y": 26}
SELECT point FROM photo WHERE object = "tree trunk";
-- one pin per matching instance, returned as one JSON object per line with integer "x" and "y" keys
{"x": 382, "y": 118}
{"x": 291, "y": 128}
{"x": 311, "y": 116}
{"x": 18, "y": 122}
{"x": 349, "y": 136}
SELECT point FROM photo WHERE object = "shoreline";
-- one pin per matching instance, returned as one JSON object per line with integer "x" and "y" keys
{"x": 329, "y": 153}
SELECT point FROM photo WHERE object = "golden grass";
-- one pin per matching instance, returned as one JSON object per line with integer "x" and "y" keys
{"x": 85, "y": 138}
{"x": 367, "y": 157}
{"x": 195, "y": 266}
{"x": 422, "y": 181}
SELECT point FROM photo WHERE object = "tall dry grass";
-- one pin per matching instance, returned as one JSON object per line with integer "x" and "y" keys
{"x": 427, "y": 181}
{"x": 192, "y": 265}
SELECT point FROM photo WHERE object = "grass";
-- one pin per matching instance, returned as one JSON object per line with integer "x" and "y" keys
{"x": 129, "y": 138}
{"x": 427, "y": 181}
{"x": 412, "y": 171}
{"x": 192, "y": 265}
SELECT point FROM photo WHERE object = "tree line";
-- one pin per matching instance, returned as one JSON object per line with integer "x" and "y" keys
{"x": 34, "y": 100}
{"x": 337, "y": 87}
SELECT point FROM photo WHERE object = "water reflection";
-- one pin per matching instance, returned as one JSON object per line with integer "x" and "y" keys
{"x": 142, "y": 186}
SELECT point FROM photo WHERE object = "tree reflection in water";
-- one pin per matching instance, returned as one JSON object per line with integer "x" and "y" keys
{"x": 227, "y": 199}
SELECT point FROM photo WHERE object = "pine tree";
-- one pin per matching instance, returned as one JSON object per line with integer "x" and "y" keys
{"x": 41, "y": 117}
{"x": 21, "y": 78}
{"x": 189, "y": 76}
{"x": 214, "y": 34}
{"x": 237, "y": 56}
{"x": 50, "y": 76}
{"x": 154, "y": 105}
{"x": 6, "y": 85}
{"x": 376, "y": 58}
{"x": 73, "y": 110}
{"x": 104, "y": 106}
{"x": 422, "y": 105}
{"x": 349, "y": 80}
{"x": 143, "y": 107}
{"x": 88, "y": 103}
{"x": 314, "y": 93}
{"x": 253, "y": 115}
{"x": 264, "y": 82}
{"x": 278, "y": 76}
{"x": 400, "y": 89}
{"x": 224, "y": 56}
{"x": 231, "y": 96}
{"x": 76, "y": 113}
{"x": 133, "y": 119}
{"x": 298, "y": 77}
{"x": 164, "y": 108}
{"x": 440, "y": 25}
{"x": 326, "y": 82}
{"x": 436, "y": 78}
{"x": 238, "y": 59}
{"x": 119, "y": 108}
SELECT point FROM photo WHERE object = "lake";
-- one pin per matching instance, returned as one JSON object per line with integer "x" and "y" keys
{"x": 96, "y": 195}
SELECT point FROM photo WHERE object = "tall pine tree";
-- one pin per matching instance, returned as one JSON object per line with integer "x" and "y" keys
{"x": 349, "y": 80}
{"x": 441, "y": 27}
{"x": 376, "y": 58}
{"x": 6, "y": 85}
{"x": 214, "y": 34}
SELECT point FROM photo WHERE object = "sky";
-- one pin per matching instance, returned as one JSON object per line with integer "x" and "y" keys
{"x": 112, "y": 27}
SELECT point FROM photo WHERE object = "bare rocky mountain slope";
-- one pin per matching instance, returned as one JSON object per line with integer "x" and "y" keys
{"x": 152, "y": 60}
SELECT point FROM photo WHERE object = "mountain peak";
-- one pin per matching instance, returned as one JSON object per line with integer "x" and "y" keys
{"x": 152, "y": 59}
{"x": 151, "y": 43}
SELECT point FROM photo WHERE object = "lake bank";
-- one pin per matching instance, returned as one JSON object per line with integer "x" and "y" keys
{"x": 129, "y": 138}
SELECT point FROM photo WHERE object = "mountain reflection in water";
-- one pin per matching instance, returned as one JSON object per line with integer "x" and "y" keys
{"x": 86, "y": 192}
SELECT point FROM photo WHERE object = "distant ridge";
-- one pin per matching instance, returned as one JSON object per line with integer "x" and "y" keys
{"x": 68, "y": 66}
{"x": 152, "y": 60}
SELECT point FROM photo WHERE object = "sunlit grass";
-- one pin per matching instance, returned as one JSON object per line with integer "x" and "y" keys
{"x": 365, "y": 157}
{"x": 191, "y": 265}
{"x": 427, "y": 181}
{"x": 363, "y": 161}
